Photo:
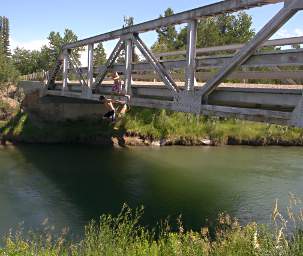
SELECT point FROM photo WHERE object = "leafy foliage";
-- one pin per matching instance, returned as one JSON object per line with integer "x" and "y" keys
{"x": 220, "y": 30}
{"x": 56, "y": 41}
{"x": 28, "y": 62}
{"x": 99, "y": 55}
{"x": 8, "y": 72}
{"x": 166, "y": 36}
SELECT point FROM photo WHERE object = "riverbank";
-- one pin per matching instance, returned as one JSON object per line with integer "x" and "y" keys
{"x": 148, "y": 127}
{"x": 123, "y": 235}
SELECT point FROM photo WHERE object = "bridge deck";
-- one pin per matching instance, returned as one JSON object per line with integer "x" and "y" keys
{"x": 264, "y": 101}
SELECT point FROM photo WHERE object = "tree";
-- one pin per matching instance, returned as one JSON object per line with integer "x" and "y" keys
{"x": 56, "y": 41}
{"x": 4, "y": 35}
{"x": 8, "y": 73}
{"x": 166, "y": 36}
{"x": 27, "y": 61}
{"x": 128, "y": 22}
{"x": 220, "y": 30}
{"x": 99, "y": 55}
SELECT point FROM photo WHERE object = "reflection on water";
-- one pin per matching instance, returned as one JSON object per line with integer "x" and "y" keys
{"x": 70, "y": 185}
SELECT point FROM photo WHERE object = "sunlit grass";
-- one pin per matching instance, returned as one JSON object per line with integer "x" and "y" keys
{"x": 166, "y": 124}
{"x": 152, "y": 124}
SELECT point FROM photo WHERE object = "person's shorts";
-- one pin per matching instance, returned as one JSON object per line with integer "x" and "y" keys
{"x": 110, "y": 114}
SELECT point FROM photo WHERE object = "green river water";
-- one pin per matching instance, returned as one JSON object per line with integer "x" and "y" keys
{"x": 71, "y": 185}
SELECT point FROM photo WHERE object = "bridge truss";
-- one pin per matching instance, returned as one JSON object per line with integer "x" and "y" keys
{"x": 278, "y": 106}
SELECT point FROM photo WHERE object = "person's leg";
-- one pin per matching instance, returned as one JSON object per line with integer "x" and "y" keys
{"x": 113, "y": 116}
{"x": 124, "y": 109}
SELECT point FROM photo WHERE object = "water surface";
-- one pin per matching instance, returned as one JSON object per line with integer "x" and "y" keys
{"x": 70, "y": 185}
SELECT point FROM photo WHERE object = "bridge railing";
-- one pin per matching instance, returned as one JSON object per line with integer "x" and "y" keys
{"x": 36, "y": 76}
{"x": 190, "y": 98}
{"x": 275, "y": 62}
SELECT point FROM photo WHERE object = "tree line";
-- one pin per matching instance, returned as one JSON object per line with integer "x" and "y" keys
{"x": 218, "y": 30}
{"x": 8, "y": 72}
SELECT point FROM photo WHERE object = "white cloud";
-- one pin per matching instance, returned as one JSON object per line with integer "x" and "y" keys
{"x": 299, "y": 32}
{"x": 28, "y": 45}
{"x": 284, "y": 33}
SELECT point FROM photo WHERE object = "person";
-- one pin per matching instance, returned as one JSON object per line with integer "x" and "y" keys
{"x": 117, "y": 87}
{"x": 111, "y": 111}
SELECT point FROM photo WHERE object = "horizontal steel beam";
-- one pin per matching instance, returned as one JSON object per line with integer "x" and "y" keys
{"x": 267, "y": 98}
{"x": 256, "y": 115}
{"x": 259, "y": 115}
{"x": 239, "y": 75}
{"x": 266, "y": 59}
{"x": 234, "y": 47}
{"x": 208, "y": 10}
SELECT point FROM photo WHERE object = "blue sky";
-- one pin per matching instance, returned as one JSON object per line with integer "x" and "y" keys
{"x": 32, "y": 20}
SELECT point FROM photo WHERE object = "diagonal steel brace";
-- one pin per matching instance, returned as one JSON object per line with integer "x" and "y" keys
{"x": 160, "y": 69}
{"x": 56, "y": 69}
{"x": 110, "y": 62}
{"x": 246, "y": 52}
{"x": 78, "y": 71}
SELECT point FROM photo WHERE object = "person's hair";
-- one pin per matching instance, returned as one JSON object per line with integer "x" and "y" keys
{"x": 102, "y": 98}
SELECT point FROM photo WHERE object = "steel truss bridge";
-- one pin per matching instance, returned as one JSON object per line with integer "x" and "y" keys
{"x": 274, "y": 104}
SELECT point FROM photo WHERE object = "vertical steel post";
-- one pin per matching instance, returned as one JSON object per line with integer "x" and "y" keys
{"x": 65, "y": 72}
{"x": 128, "y": 65}
{"x": 90, "y": 71}
{"x": 191, "y": 55}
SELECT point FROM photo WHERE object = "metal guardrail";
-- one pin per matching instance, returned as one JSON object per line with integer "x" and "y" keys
{"x": 235, "y": 47}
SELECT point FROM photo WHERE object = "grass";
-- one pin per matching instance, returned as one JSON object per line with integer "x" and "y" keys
{"x": 123, "y": 235}
{"x": 153, "y": 125}
{"x": 165, "y": 124}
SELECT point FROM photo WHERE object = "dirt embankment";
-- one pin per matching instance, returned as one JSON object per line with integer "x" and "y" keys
{"x": 10, "y": 98}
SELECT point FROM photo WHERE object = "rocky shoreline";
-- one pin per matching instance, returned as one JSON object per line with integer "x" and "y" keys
{"x": 130, "y": 140}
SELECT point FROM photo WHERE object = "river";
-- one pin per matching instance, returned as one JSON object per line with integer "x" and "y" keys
{"x": 70, "y": 185}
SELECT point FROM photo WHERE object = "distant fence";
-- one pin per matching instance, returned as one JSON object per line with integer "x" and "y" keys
{"x": 37, "y": 76}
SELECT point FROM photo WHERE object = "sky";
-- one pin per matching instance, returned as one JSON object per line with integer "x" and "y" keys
{"x": 32, "y": 20}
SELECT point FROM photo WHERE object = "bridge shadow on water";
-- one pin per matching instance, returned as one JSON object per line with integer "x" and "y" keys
{"x": 99, "y": 180}
{"x": 34, "y": 128}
